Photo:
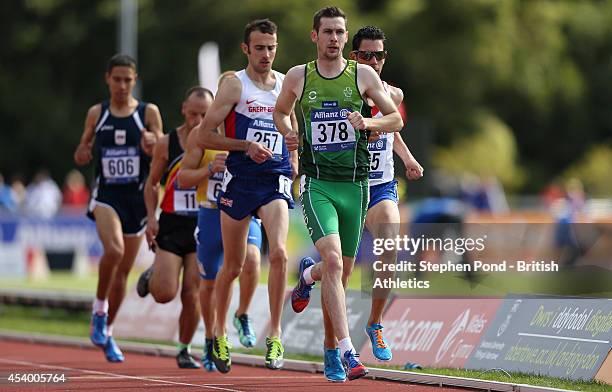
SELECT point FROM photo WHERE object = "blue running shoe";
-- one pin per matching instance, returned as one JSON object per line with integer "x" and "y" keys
{"x": 333, "y": 369}
{"x": 243, "y": 326}
{"x": 300, "y": 296}
{"x": 380, "y": 348}
{"x": 112, "y": 351}
{"x": 353, "y": 366}
{"x": 207, "y": 360}
{"x": 98, "y": 332}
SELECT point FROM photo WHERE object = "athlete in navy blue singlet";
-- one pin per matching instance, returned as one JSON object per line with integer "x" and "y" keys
{"x": 122, "y": 132}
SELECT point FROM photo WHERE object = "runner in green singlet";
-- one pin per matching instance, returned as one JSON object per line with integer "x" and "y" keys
{"x": 334, "y": 163}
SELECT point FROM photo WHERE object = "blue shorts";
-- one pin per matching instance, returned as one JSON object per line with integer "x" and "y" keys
{"x": 244, "y": 195}
{"x": 386, "y": 191}
{"x": 210, "y": 245}
{"x": 130, "y": 207}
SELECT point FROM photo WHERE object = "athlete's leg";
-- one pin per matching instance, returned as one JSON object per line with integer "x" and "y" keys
{"x": 249, "y": 278}
{"x": 164, "y": 282}
{"x": 332, "y": 290}
{"x": 275, "y": 218}
{"x": 207, "y": 301}
{"x": 234, "y": 234}
{"x": 330, "y": 337}
{"x": 190, "y": 316}
{"x": 382, "y": 221}
{"x": 109, "y": 230}
{"x": 117, "y": 293}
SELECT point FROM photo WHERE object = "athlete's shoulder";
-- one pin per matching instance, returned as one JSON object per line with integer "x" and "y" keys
{"x": 296, "y": 72}
{"x": 365, "y": 70}
{"x": 151, "y": 107}
{"x": 94, "y": 110}
{"x": 397, "y": 95}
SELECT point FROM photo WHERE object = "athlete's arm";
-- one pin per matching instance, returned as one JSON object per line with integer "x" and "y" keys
{"x": 82, "y": 154}
{"x": 414, "y": 170}
{"x": 151, "y": 188}
{"x": 191, "y": 174}
{"x": 153, "y": 131}
{"x": 293, "y": 155}
{"x": 292, "y": 89}
{"x": 371, "y": 87}
{"x": 207, "y": 137}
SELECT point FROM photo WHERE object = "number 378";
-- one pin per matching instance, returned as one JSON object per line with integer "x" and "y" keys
{"x": 332, "y": 130}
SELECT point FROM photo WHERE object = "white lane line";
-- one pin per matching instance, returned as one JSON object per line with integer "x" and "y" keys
{"x": 117, "y": 375}
{"x": 562, "y": 337}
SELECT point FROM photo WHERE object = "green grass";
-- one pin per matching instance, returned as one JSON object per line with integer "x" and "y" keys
{"x": 76, "y": 324}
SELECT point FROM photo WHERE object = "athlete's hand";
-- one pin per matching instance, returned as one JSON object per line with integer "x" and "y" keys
{"x": 258, "y": 152}
{"x": 218, "y": 164}
{"x": 83, "y": 155}
{"x": 147, "y": 141}
{"x": 357, "y": 120}
{"x": 151, "y": 233}
{"x": 291, "y": 140}
{"x": 414, "y": 170}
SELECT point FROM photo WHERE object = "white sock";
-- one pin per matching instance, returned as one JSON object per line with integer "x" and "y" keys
{"x": 100, "y": 306}
{"x": 346, "y": 345}
{"x": 308, "y": 276}
{"x": 109, "y": 330}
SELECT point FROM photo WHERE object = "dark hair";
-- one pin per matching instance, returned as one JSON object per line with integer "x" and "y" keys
{"x": 121, "y": 60}
{"x": 265, "y": 26}
{"x": 327, "y": 12}
{"x": 368, "y": 32}
{"x": 199, "y": 92}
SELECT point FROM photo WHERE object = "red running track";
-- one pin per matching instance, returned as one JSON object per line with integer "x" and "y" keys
{"x": 87, "y": 370}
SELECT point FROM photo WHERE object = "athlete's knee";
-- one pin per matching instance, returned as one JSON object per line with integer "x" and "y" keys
{"x": 114, "y": 251}
{"x": 278, "y": 257}
{"x": 232, "y": 270}
{"x": 189, "y": 296}
{"x": 252, "y": 260}
{"x": 163, "y": 296}
{"x": 333, "y": 263}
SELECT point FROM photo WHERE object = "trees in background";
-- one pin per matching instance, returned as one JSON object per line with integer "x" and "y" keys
{"x": 530, "y": 79}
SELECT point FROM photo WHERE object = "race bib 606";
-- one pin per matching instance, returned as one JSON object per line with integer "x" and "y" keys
{"x": 120, "y": 165}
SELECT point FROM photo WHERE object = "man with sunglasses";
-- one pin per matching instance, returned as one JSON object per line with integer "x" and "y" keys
{"x": 383, "y": 217}
{"x": 334, "y": 162}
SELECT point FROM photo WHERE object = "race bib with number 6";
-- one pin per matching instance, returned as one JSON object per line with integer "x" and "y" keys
{"x": 215, "y": 183}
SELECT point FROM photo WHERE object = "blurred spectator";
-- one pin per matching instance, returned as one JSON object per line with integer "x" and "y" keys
{"x": 19, "y": 191}
{"x": 43, "y": 196}
{"x": 485, "y": 194}
{"x": 74, "y": 192}
{"x": 552, "y": 193}
{"x": 565, "y": 211}
{"x": 8, "y": 201}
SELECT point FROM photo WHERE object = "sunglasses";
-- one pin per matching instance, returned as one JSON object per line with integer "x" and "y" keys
{"x": 367, "y": 55}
